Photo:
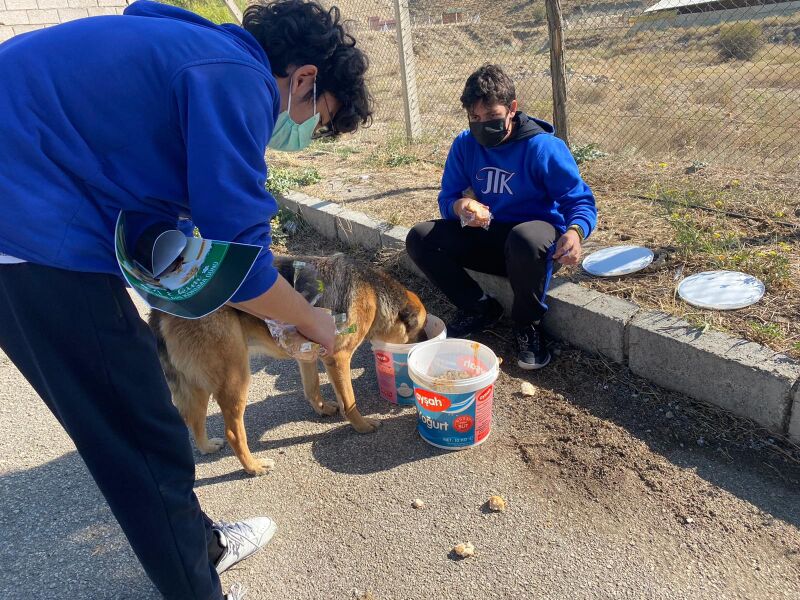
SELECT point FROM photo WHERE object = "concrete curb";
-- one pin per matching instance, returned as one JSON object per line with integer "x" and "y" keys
{"x": 742, "y": 377}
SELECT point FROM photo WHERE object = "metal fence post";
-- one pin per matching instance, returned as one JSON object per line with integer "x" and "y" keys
{"x": 408, "y": 70}
{"x": 558, "y": 71}
{"x": 234, "y": 8}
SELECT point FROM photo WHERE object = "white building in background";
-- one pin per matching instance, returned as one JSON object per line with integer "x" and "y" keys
{"x": 698, "y": 13}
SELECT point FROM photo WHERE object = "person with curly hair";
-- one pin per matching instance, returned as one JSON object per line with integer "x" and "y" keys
{"x": 165, "y": 114}
{"x": 513, "y": 204}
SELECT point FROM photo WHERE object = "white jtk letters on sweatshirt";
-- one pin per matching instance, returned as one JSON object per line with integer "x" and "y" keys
{"x": 496, "y": 180}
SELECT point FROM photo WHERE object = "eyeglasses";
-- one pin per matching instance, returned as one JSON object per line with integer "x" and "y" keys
{"x": 324, "y": 132}
{"x": 328, "y": 130}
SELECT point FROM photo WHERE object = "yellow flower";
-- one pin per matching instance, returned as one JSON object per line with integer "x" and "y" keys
{"x": 663, "y": 165}
{"x": 717, "y": 235}
{"x": 736, "y": 182}
{"x": 718, "y": 203}
{"x": 780, "y": 214}
{"x": 675, "y": 215}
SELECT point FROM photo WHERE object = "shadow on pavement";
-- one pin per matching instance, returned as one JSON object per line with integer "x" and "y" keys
{"x": 59, "y": 534}
{"x": 340, "y": 448}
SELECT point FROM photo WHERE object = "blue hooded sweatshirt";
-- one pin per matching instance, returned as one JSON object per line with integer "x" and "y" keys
{"x": 158, "y": 111}
{"x": 531, "y": 177}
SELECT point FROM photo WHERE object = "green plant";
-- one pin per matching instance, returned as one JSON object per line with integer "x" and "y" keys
{"x": 344, "y": 151}
{"x": 393, "y": 220}
{"x": 796, "y": 347}
{"x": 698, "y": 322}
{"x": 213, "y": 10}
{"x": 586, "y": 153}
{"x": 539, "y": 13}
{"x": 693, "y": 239}
{"x": 333, "y": 146}
{"x": 740, "y": 41}
{"x": 765, "y": 332}
{"x": 725, "y": 250}
{"x": 280, "y": 180}
{"x": 396, "y": 152}
{"x": 284, "y": 224}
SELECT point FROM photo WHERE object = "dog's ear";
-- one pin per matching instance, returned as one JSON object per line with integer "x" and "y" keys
{"x": 413, "y": 314}
{"x": 409, "y": 316}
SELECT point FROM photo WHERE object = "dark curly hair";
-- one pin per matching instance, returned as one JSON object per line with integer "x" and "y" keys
{"x": 303, "y": 32}
{"x": 489, "y": 84}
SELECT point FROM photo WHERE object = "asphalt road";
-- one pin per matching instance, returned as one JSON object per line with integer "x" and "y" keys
{"x": 607, "y": 498}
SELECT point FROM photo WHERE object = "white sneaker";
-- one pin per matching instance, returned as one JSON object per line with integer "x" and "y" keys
{"x": 241, "y": 539}
{"x": 236, "y": 593}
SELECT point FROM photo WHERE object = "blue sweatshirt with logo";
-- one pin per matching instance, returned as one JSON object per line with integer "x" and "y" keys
{"x": 158, "y": 111}
{"x": 531, "y": 177}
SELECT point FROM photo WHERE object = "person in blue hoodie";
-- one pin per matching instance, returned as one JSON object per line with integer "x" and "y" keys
{"x": 513, "y": 204}
{"x": 165, "y": 114}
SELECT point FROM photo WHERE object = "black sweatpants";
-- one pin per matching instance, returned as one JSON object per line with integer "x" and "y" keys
{"x": 521, "y": 251}
{"x": 79, "y": 341}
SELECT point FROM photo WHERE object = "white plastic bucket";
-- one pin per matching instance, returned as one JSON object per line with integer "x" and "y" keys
{"x": 391, "y": 364}
{"x": 453, "y": 414}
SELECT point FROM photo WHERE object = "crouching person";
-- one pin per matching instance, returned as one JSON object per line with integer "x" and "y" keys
{"x": 541, "y": 210}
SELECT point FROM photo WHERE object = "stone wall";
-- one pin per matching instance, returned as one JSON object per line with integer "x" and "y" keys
{"x": 21, "y": 16}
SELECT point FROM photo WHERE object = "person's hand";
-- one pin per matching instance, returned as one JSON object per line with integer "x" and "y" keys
{"x": 568, "y": 248}
{"x": 474, "y": 212}
{"x": 319, "y": 327}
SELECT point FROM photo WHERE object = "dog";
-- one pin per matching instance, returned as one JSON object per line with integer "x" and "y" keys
{"x": 210, "y": 356}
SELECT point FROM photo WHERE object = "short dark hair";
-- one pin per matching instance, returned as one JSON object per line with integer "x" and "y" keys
{"x": 490, "y": 85}
{"x": 303, "y": 32}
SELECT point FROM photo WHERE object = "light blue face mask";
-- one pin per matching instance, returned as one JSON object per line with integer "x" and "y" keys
{"x": 289, "y": 136}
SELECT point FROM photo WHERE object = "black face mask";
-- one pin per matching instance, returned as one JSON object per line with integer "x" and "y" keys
{"x": 489, "y": 133}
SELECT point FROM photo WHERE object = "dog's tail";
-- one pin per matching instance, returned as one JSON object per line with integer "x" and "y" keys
{"x": 170, "y": 372}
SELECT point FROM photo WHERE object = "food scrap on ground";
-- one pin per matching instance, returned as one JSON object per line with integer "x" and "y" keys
{"x": 464, "y": 549}
{"x": 497, "y": 504}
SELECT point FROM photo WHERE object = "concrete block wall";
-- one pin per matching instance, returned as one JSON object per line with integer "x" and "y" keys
{"x": 22, "y": 16}
{"x": 742, "y": 377}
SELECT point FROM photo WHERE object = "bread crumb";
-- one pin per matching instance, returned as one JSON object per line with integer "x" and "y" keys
{"x": 417, "y": 503}
{"x": 497, "y": 504}
{"x": 464, "y": 549}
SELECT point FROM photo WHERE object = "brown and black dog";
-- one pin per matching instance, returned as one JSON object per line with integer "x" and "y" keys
{"x": 210, "y": 356}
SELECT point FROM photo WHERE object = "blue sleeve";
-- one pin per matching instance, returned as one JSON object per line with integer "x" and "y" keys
{"x": 562, "y": 180}
{"x": 224, "y": 112}
{"x": 186, "y": 227}
{"x": 454, "y": 179}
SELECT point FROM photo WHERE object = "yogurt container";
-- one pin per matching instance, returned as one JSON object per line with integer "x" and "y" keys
{"x": 453, "y": 391}
{"x": 391, "y": 364}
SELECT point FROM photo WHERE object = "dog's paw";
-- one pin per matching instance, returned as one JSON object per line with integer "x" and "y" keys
{"x": 368, "y": 426}
{"x": 263, "y": 466}
{"x": 325, "y": 409}
{"x": 214, "y": 445}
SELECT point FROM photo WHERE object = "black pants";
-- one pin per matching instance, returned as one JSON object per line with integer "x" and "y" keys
{"x": 521, "y": 251}
{"x": 79, "y": 341}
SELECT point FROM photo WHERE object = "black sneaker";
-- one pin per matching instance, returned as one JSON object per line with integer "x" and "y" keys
{"x": 467, "y": 322}
{"x": 531, "y": 351}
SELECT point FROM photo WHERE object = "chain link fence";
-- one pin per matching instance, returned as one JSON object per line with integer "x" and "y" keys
{"x": 710, "y": 81}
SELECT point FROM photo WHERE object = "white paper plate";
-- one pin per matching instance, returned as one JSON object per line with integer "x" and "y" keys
{"x": 617, "y": 260}
{"x": 721, "y": 290}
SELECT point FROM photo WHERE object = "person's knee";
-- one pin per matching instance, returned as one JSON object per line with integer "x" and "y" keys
{"x": 415, "y": 240}
{"x": 530, "y": 241}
